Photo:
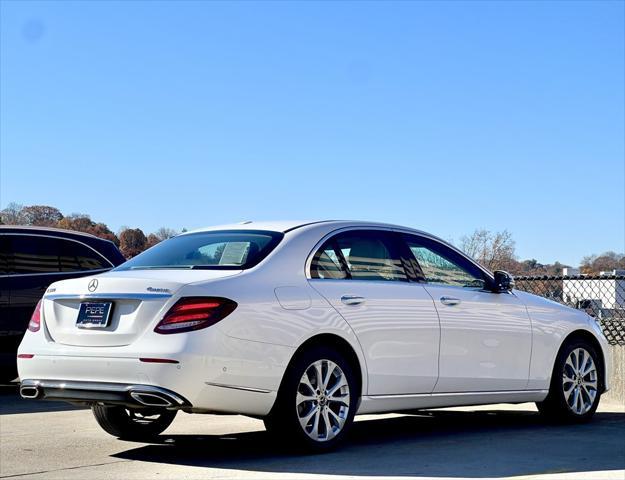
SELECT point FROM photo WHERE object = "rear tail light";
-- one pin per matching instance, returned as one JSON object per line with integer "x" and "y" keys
{"x": 194, "y": 313}
{"x": 35, "y": 319}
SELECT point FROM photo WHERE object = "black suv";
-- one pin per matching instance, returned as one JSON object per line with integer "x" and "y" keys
{"x": 31, "y": 258}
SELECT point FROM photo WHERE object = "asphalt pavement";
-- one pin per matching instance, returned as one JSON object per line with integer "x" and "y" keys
{"x": 45, "y": 440}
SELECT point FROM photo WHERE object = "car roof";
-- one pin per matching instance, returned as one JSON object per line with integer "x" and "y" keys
{"x": 289, "y": 225}
{"x": 272, "y": 226}
{"x": 36, "y": 229}
{"x": 329, "y": 225}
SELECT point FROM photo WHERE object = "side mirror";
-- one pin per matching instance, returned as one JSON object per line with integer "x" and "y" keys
{"x": 503, "y": 282}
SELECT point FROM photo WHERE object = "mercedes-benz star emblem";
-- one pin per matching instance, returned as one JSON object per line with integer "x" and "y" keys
{"x": 93, "y": 284}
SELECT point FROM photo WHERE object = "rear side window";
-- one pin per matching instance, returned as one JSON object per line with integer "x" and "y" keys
{"x": 359, "y": 255}
{"x": 326, "y": 263}
{"x": 41, "y": 254}
{"x": 75, "y": 256}
{"x": 232, "y": 249}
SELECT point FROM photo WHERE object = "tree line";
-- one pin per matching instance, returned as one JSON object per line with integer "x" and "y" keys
{"x": 494, "y": 250}
{"x": 131, "y": 241}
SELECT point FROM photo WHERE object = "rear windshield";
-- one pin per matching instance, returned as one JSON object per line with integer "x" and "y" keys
{"x": 226, "y": 250}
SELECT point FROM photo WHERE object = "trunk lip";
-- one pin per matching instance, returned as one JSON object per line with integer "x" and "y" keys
{"x": 108, "y": 296}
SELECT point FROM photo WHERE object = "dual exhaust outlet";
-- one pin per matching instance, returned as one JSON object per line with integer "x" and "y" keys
{"x": 31, "y": 392}
{"x": 151, "y": 399}
{"x": 90, "y": 392}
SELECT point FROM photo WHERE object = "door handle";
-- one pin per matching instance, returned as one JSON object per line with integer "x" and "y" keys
{"x": 450, "y": 300}
{"x": 352, "y": 299}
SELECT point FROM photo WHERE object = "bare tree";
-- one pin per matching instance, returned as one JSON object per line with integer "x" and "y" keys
{"x": 164, "y": 233}
{"x": 152, "y": 240}
{"x": 494, "y": 250}
{"x": 161, "y": 234}
{"x": 12, "y": 214}
{"x": 605, "y": 262}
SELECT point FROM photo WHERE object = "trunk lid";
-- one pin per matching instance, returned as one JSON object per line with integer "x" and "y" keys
{"x": 137, "y": 298}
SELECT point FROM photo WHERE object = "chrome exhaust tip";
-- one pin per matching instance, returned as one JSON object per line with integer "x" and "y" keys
{"x": 151, "y": 399}
{"x": 29, "y": 391}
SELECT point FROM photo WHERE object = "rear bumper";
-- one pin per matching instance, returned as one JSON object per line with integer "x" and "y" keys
{"x": 214, "y": 372}
{"x": 99, "y": 392}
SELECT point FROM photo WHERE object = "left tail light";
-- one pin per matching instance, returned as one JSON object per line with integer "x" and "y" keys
{"x": 35, "y": 320}
{"x": 195, "y": 313}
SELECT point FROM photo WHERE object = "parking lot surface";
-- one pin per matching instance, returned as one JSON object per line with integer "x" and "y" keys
{"x": 55, "y": 441}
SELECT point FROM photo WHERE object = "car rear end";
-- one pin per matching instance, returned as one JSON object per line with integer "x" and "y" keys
{"x": 142, "y": 337}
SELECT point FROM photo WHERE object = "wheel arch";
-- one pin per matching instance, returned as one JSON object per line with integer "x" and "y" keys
{"x": 585, "y": 335}
{"x": 343, "y": 346}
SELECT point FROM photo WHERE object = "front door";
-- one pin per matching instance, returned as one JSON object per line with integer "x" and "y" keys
{"x": 361, "y": 274}
{"x": 486, "y": 337}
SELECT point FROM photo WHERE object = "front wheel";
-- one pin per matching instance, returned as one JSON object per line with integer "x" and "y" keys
{"x": 316, "y": 402}
{"x": 132, "y": 424}
{"x": 575, "y": 387}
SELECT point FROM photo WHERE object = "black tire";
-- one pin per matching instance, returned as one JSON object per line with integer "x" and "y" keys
{"x": 133, "y": 424}
{"x": 556, "y": 407}
{"x": 283, "y": 421}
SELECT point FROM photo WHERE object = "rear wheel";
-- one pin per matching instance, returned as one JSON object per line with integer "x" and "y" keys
{"x": 132, "y": 424}
{"x": 575, "y": 384}
{"x": 316, "y": 402}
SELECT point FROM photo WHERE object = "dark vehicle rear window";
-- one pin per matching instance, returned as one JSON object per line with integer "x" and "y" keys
{"x": 225, "y": 249}
{"x": 43, "y": 254}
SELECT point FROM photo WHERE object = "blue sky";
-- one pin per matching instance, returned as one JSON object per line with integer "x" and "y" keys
{"x": 443, "y": 116}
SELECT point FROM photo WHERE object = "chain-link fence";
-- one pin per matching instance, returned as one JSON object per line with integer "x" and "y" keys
{"x": 602, "y": 297}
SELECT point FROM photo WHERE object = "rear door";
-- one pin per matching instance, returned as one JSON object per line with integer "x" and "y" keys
{"x": 362, "y": 274}
{"x": 485, "y": 337}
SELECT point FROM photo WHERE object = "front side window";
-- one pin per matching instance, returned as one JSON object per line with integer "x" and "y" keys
{"x": 440, "y": 264}
{"x": 359, "y": 255}
{"x": 216, "y": 250}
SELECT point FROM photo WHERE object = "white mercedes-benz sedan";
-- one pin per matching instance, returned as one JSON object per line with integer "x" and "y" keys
{"x": 305, "y": 325}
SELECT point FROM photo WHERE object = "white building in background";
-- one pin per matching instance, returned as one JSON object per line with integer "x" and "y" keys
{"x": 570, "y": 271}
{"x": 595, "y": 293}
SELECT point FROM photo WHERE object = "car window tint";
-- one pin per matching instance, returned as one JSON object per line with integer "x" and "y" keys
{"x": 4, "y": 256}
{"x": 440, "y": 266}
{"x": 40, "y": 254}
{"x": 326, "y": 263}
{"x": 371, "y": 255}
{"x": 35, "y": 254}
{"x": 74, "y": 256}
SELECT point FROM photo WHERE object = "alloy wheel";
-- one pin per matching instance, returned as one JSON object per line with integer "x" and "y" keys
{"x": 323, "y": 400}
{"x": 579, "y": 381}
